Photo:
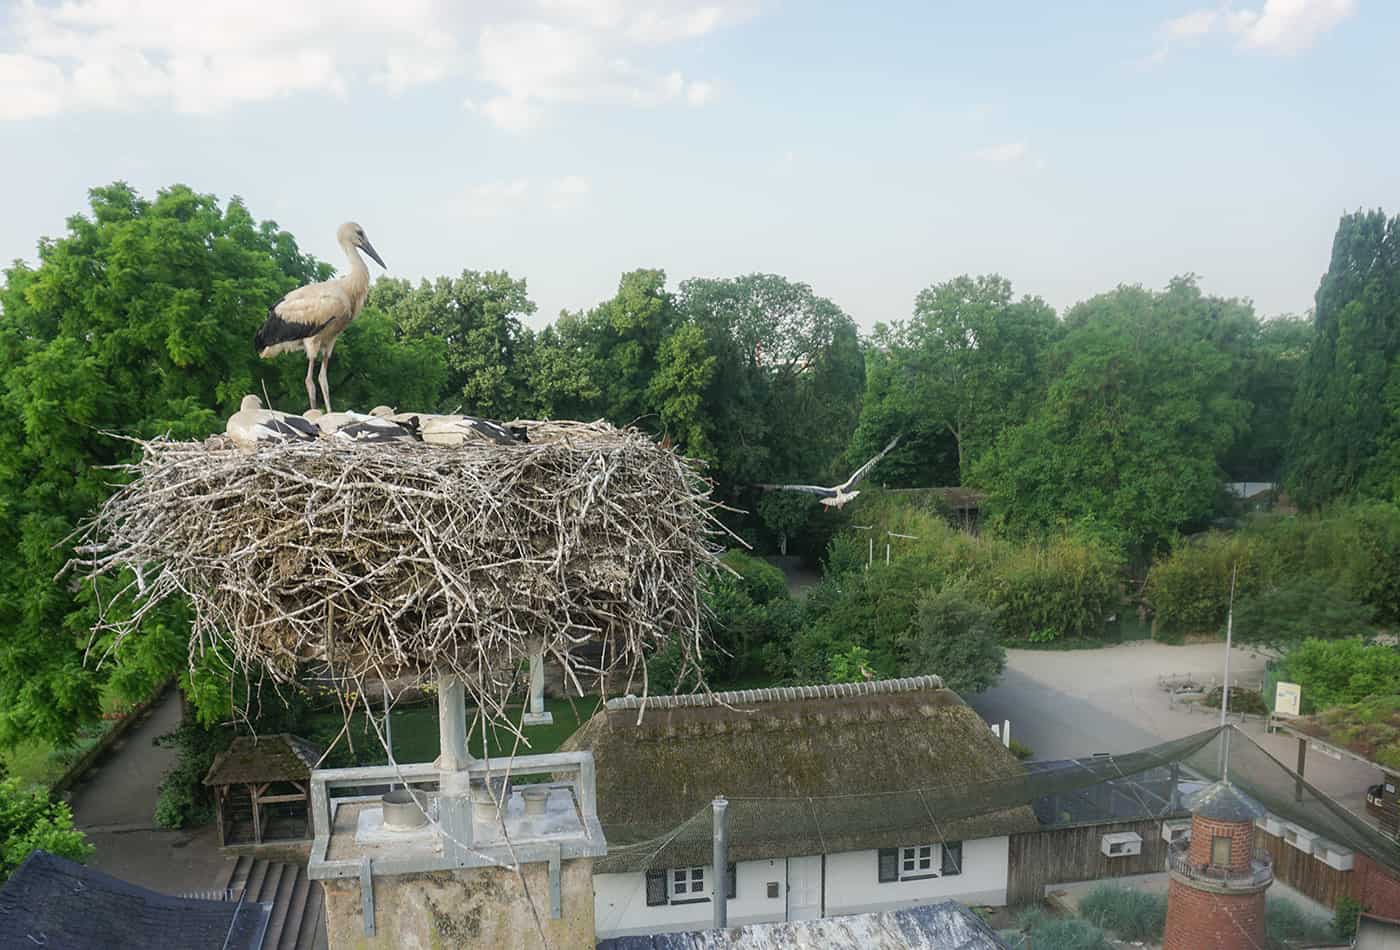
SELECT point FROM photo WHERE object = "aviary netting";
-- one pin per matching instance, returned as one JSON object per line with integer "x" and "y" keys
{"x": 396, "y": 560}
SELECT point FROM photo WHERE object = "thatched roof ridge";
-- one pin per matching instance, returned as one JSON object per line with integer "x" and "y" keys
{"x": 777, "y": 694}
{"x": 280, "y": 757}
{"x": 808, "y": 775}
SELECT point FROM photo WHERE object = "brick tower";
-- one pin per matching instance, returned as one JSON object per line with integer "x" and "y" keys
{"x": 1215, "y": 899}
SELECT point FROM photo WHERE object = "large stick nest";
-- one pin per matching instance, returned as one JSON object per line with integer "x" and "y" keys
{"x": 398, "y": 560}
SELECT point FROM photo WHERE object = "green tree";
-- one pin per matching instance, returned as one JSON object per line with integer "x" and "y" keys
{"x": 970, "y": 362}
{"x": 30, "y": 821}
{"x": 1144, "y": 404}
{"x": 1334, "y": 672}
{"x": 137, "y": 322}
{"x": 1338, "y": 419}
{"x": 1303, "y": 608}
{"x": 474, "y": 320}
{"x": 1273, "y": 362}
{"x": 788, "y": 373}
{"x": 956, "y": 638}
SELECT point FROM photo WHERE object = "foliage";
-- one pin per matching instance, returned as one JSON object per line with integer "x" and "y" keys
{"x": 1335, "y": 672}
{"x": 1286, "y": 925}
{"x": 1189, "y": 589}
{"x": 1346, "y": 916}
{"x": 1129, "y": 913}
{"x": 746, "y": 612}
{"x": 956, "y": 638}
{"x": 1021, "y": 750}
{"x": 1242, "y": 700}
{"x": 1302, "y": 608}
{"x": 969, "y": 363}
{"x": 1040, "y": 931}
{"x": 1338, "y": 422}
{"x": 29, "y": 821}
{"x": 184, "y": 801}
{"x": 852, "y": 665}
{"x": 1143, "y": 404}
{"x": 1272, "y": 364}
{"x": 136, "y": 322}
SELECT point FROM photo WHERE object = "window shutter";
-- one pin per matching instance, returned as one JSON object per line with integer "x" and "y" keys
{"x": 952, "y": 858}
{"x": 656, "y": 888}
{"x": 731, "y": 877}
{"x": 889, "y": 865}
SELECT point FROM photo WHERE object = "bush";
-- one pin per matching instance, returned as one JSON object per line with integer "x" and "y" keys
{"x": 956, "y": 638}
{"x": 1345, "y": 918}
{"x": 1337, "y": 672}
{"x": 1241, "y": 701}
{"x": 1066, "y": 587}
{"x": 29, "y": 822}
{"x": 184, "y": 801}
{"x": 1303, "y": 608}
{"x": 1039, "y": 931}
{"x": 1130, "y": 914}
{"x": 1021, "y": 750}
{"x": 1286, "y": 922}
{"x": 1189, "y": 589}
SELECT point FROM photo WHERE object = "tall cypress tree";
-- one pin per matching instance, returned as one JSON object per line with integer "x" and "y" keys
{"x": 1339, "y": 412}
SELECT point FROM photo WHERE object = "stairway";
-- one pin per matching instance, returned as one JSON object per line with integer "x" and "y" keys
{"x": 298, "y": 907}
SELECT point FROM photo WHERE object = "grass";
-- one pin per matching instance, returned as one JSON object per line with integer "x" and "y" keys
{"x": 40, "y": 763}
{"x": 1285, "y": 921}
{"x": 1130, "y": 914}
{"x": 415, "y": 733}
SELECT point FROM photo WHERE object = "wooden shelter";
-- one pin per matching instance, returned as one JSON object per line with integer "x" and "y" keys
{"x": 262, "y": 789}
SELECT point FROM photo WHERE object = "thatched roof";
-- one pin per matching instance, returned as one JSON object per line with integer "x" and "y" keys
{"x": 256, "y": 759}
{"x": 1369, "y": 729}
{"x": 810, "y": 770}
{"x": 399, "y": 559}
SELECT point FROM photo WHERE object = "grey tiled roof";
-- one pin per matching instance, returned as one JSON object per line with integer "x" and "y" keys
{"x": 58, "y": 904}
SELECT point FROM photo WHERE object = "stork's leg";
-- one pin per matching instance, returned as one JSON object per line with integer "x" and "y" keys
{"x": 310, "y": 384}
{"x": 325, "y": 386}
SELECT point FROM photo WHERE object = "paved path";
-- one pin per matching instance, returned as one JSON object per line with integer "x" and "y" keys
{"x": 1073, "y": 703}
{"x": 114, "y": 804}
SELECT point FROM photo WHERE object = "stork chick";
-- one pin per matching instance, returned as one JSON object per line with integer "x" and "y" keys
{"x": 312, "y": 317}
{"x": 252, "y": 424}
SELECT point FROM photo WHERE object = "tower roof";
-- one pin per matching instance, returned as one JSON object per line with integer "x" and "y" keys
{"x": 1224, "y": 802}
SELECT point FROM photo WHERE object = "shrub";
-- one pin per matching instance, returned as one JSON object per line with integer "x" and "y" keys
{"x": 29, "y": 821}
{"x": 1189, "y": 589}
{"x": 956, "y": 638}
{"x": 1130, "y": 914}
{"x": 1345, "y": 917}
{"x": 1241, "y": 701}
{"x": 1067, "y": 586}
{"x": 1039, "y": 931}
{"x": 1336, "y": 672}
{"x": 1021, "y": 750}
{"x": 1302, "y": 608}
{"x": 184, "y": 801}
{"x": 1285, "y": 923}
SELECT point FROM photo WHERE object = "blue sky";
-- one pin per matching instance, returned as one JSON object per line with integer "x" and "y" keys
{"x": 866, "y": 149}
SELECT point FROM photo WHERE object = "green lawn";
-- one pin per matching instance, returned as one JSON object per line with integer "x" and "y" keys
{"x": 415, "y": 733}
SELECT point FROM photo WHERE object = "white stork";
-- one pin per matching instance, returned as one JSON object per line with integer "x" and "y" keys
{"x": 252, "y": 424}
{"x": 358, "y": 427}
{"x": 311, "y": 317}
{"x": 458, "y": 430}
{"x": 838, "y": 495}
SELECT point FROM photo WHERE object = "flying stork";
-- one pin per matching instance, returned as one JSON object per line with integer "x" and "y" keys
{"x": 311, "y": 317}
{"x": 839, "y": 495}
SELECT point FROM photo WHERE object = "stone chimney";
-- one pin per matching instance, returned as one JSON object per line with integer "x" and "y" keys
{"x": 1215, "y": 899}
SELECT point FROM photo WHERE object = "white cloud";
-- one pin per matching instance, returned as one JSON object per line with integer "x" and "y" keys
{"x": 217, "y": 54}
{"x": 500, "y": 198}
{"x": 1279, "y": 26}
{"x": 1003, "y": 154}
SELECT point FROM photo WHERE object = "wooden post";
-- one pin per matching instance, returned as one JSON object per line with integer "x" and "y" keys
{"x": 1302, "y": 763}
{"x": 219, "y": 791}
{"x": 257, "y": 825}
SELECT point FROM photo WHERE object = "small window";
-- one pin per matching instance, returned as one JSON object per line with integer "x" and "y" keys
{"x": 888, "y": 865}
{"x": 688, "y": 884}
{"x": 1220, "y": 851}
{"x": 952, "y": 858}
{"x": 918, "y": 862}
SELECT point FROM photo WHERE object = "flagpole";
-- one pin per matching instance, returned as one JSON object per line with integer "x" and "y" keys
{"x": 1225, "y": 689}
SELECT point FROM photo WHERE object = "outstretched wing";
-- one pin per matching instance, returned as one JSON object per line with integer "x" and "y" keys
{"x": 864, "y": 470}
{"x": 806, "y": 489}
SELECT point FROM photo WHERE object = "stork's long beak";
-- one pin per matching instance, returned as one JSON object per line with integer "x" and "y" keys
{"x": 368, "y": 248}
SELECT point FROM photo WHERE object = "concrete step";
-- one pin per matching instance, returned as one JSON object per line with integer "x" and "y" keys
{"x": 253, "y": 887}
{"x": 237, "y": 875}
{"x": 271, "y": 880}
{"x": 281, "y": 904}
{"x": 313, "y": 923}
{"x": 295, "y": 910}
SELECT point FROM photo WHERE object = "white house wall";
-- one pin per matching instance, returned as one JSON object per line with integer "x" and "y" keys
{"x": 620, "y": 902}
{"x": 853, "y": 885}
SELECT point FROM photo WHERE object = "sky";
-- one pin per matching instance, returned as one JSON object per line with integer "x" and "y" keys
{"x": 867, "y": 149}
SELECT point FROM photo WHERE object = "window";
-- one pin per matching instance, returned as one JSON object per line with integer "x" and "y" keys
{"x": 952, "y": 858}
{"x": 687, "y": 884}
{"x": 1220, "y": 851}
{"x": 913, "y": 863}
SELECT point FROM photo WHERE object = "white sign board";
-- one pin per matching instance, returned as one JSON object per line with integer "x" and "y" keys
{"x": 1288, "y": 697}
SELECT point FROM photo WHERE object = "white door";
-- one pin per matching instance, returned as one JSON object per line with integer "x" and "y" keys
{"x": 804, "y": 888}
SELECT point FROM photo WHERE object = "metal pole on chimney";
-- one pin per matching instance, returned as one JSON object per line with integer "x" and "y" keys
{"x": 1225, "y": 689}
{"x": 719, "y": 892}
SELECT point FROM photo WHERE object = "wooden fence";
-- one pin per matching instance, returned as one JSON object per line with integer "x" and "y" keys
{"x": 1064, "y": 855}
{"x": 1305, "y": 873}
